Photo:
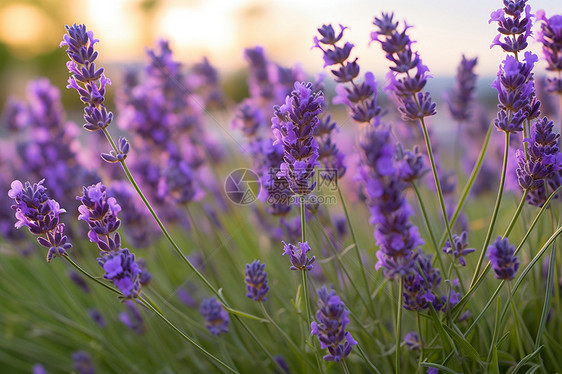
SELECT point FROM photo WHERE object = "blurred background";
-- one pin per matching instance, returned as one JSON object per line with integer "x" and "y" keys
{"x": 30, "y": 32}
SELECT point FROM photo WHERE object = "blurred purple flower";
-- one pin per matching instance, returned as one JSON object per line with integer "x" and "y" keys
{"x": 83, "y": 363}
{"x": 504, "y": 262}
{"x": 463, "y": 93}
{"x": 256, "y": 281}
{"x": 215, "y": 315}
{"x": 132, "y": 317}
{"x": 329, "y": 327}
{"x": 550, "y": 35}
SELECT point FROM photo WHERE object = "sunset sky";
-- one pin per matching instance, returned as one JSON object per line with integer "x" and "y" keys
{"x": 221, "y": 29}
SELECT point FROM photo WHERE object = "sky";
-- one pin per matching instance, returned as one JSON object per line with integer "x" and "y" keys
{"x": 221, "y": 29}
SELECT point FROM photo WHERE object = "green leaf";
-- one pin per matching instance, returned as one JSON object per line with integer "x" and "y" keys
{"x": 527, "y": 359}
{"x": 466, "y": 348}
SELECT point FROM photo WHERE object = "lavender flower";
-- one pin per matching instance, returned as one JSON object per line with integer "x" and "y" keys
{"x": 121, "y": 269}
{"x": 420, "y": 285}
{"x": 463, "y": 93}
{"x": 119, "y": 155}
{"x": 459, "y": 248}
{"x": 40, "y": 214}
{"x": 411, "y": 165}
{"x": 38, "y": 369}
{"x": 544, "y": 161}
{"x": 504, "y": 262}
{"x": 89, "y": 82}
{"x": 96, "y": 316}
{"x": 256, "y": 281}
{"x": 14, "y": 114}
{"x": 215, "y": 315}
{"x": 132, "y": 318}
{"x": 406, "y": 85}
{"x": 412, "y": 341}
{"x": 293, "y": 125}
{"x": 516, "y": 93}
{"x": 514, "y": 23}
{"x": 396, "y": 237}
{"x": 100, "y": 213}
{"x": 328, "y": 152}
{"x": 298, "y": 257}
{"x": 330, "y": 324}
{"x": 83, "y": 363}
{"x": 360, "y": 98}
{"x": 178, "y": 182}
{"x": 550, "y": 35}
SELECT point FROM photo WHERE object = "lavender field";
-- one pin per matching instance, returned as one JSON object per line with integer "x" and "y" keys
{"x": 164, "y": 216}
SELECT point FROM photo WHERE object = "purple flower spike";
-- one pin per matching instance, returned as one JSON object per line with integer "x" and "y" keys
{"x": 293, "y": 125}
{"x": 215, "y": 315}
{"x": 100, "y": 212}
{"x": 406, "y": 84}
{"x": 89, "y": 82}
{"x": 40, "y": 214}
{"x": 297, "y": 254}
{"x": 550, "y": 35}
{"x": 330, "y": 324}
{"x": 121, "y": 269}
{"x": 121, "y": 154}
{"x": 514, "y": 24}
{"x": 256, "y": 281}
{"x": 83, "y": 363}
{"x": 502, "y": 258}
{"x": 463, "y": 93}
{"x": 459, "y": 247}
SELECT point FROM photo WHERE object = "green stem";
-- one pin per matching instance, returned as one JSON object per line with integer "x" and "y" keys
{"x": 494, "y": 213}
{"x": 420, "y": 336}
{"x": 436, "y": 179}
{"x": 428, "y": 224}
{"x": 305, "y": 288}
{"x": 464, "y": 300}
{"x": 177, "y": 248}
{"x": 399, "y": 325}
{"x": 159, "y": 222}
{"x": 281, "y": 331}
{"x": 187, "y": 338}
{"x": 344, "y": 366}
{"x": 547, "y": 296}
{"x": 366, "y": 359}
{"x": 516, "y": 323}
{"x": 77, "y": 267}
{"x": 354, "y": 238}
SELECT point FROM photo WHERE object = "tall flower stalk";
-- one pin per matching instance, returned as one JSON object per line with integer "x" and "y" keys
{"x": 518, "y": 104}
{"x": 293, "y": 125}
{"x": 407, "y": 78}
